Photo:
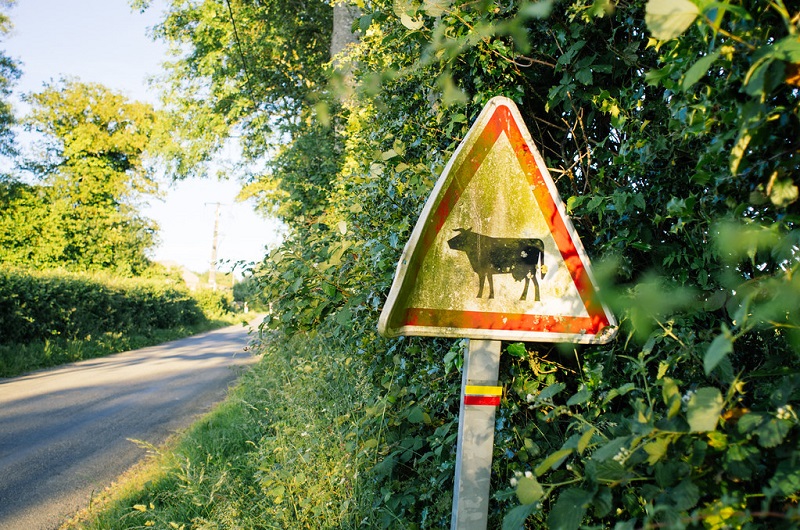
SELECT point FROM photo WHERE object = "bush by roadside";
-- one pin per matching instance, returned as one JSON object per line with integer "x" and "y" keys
{"x": 291, "y": 447}
{"x": 50, "y": 318}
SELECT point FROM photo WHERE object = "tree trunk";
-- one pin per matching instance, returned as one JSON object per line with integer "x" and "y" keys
{"x": 343, "y": 17}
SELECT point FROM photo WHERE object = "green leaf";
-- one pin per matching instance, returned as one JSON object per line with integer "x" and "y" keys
{"x": 621, "y": 391}
{"x": 388, "y": 155}
{"x": 699, "y": 69}
{"x": 569, "y": 509}
{"x": 581, "y": 396}
{"x": 611, "y": 449}
{"x": 517, "y": 349}
{"x": 584, "y": 76}
{"x": 552, "y": 461}
{"x": 550, "y": 391}
{"x": 538, "y": 9}
{"x": 748, "y": 422}
{"x": 606, "y": 471}
{"x": 783, "y": 192}
{"x": 516, "y": 517}
{"x": 666, "y": 19}
{"x": 586, "y": 437}
{"x": 435, "y": 8}
{"x": 529, "y": 490}
{"x": 771, "y": 433}
{"x": 656, "y": 449}
{"x": 654, "y": 77}
{"x": 603, "y": 502}
{"x": 412, "y": 23}
{"x": 416, "y": 415}
{"x": 788, "y": 49}
{"x": 721, "y": 346}
{"x": 703, "y": 409}
{"x": 685, "y": 495}
{"x": 786, "y": 478}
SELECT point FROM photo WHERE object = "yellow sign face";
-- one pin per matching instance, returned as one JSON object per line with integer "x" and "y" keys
{"x": 493, "y": 255}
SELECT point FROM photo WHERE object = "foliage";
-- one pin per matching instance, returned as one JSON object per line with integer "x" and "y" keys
{"x": 83, "y": 213}
{"x": 282, "y": 452}
{"x": 38, "y": 306}
{"x": 247, "y": 291}
{"x": 9, "y": 73}
{"x": 249, "y": 67}
{"x": 214, "y": 303}
{"x": 49, "y": 318}
{"x": 675, "y": 172}
{"x": 678, "y": 157}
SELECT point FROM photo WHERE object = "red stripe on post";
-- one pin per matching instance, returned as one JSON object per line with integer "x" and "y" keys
{"x": 491, "y": 401}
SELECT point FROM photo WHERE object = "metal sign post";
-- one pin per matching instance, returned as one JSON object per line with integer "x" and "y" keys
{"x": 480, "y": 396}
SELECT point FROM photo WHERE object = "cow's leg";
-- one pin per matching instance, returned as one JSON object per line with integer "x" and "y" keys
{"x": 491, "y": 285}
{"x": 525, "y": 290}
{"x": 535, "y": 285}
{"x": 480, "y": 284}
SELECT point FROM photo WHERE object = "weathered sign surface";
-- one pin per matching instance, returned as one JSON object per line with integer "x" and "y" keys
{"x": 494, "y": 255}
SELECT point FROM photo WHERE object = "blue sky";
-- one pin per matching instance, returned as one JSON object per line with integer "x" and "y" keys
{"x": 103, "y": 41}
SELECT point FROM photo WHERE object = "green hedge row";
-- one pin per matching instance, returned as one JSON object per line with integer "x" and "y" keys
{"x": 44, "y": 305}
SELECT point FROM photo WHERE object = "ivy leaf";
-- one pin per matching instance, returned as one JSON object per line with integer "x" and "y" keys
{"x": 703, "y": 409}
{"x": 517, "y": 350}
{"x": 666, "y": 19}
{"x": 569, "y": 509}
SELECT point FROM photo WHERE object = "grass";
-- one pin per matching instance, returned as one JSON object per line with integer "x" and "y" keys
{"x": 16, "y": 359}
{"x": 283, "y": 451}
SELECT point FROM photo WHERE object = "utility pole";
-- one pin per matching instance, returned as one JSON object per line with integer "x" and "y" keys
{"x": 212, "y": 271}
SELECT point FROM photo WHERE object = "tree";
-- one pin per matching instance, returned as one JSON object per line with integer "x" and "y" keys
{"x": 248, "y": 67}
{"x": 675, "y": 172}
{"x": 92, "y": 168}
{"x": 672, "y": 128}
{"x": 258, "y": 71}
{"x": 9, "y": 73}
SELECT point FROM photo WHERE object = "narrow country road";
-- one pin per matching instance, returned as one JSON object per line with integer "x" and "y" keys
{"x": 65, "y": 433}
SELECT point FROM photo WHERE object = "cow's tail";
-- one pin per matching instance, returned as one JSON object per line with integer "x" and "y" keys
{"x": 542, "y": 269}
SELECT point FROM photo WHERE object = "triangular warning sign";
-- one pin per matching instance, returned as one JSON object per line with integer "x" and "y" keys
{"x": 494, "y": 255}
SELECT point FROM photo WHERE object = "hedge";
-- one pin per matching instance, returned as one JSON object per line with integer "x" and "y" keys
{"x": 44, "y": 305}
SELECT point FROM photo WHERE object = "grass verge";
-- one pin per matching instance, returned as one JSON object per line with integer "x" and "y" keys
{"x": 283, "y": 451}
{"x": 16, "y": 359}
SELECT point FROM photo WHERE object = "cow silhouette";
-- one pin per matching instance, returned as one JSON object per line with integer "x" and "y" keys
{"x": 501, "y": 255}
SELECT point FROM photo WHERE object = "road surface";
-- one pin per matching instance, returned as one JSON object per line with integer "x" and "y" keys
{"x": 66, "y": 433}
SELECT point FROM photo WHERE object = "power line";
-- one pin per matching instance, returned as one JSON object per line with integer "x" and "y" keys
{"x": 241, "y": 56}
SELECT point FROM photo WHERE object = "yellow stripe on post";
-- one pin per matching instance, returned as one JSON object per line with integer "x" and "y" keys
{"x": 481, "y": 390}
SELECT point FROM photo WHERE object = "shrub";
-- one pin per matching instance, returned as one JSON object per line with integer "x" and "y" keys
{"x": 37, "y": 306}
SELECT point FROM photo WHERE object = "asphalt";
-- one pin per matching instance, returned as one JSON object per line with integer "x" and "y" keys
{"x": 68, "y": 433}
